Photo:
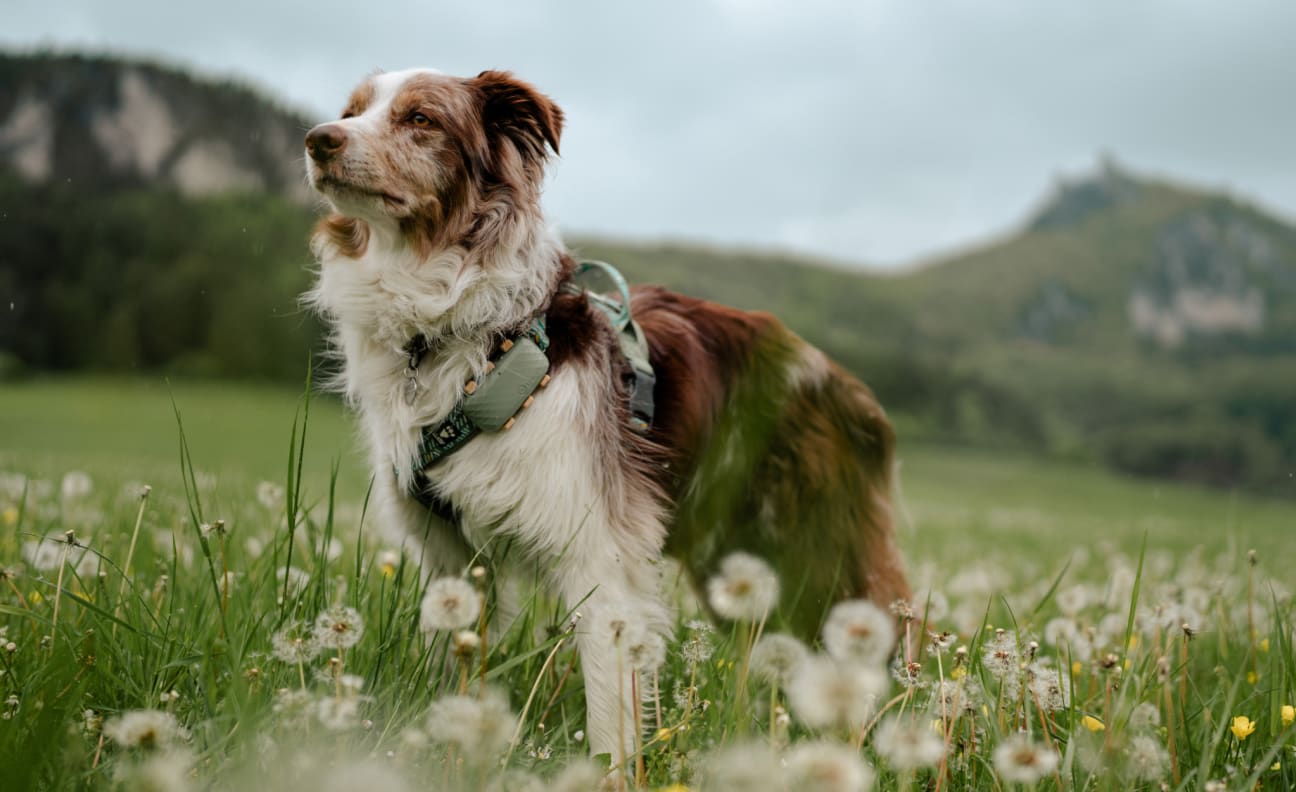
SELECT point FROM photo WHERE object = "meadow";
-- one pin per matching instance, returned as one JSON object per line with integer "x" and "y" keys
{"x": 222, "y": 613}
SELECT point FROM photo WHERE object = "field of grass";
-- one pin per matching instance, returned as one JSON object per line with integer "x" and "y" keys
{"x": 158, "y": 607}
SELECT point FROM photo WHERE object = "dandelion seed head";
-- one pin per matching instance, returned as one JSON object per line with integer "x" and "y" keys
{"x": 1052, "y": 691}
{"x": 297, "y": 580}
{"x": 481, "y": 727}
{"x": 167, "y": 771}
{"x": 999, "y": 656}
{"x": 741, "y": 768}
{"x": 338, "y": 714}
{"x": 826, "y": 767}
{"x": 339, "y": 627}
{"x": 826, "y": 692}
{"x": 1020, "y": 760}
{"x": 147, "y": 729}
{"x": 1073, "y": 599}
{"x": 647, "y": 652}
{"x": 907, "y": 674}
{"x": 950, "y": 697}
{"x": 859, "y": 631}
{"x": 269, "y": 494}
{"x": 1146, "y": 759}
{"x": 745, "y": 589}
{"x": 1145, "y": 716}
{"x": 449, "y": 604}
{"x": 76, "y": 484}
{"x": 465, "y": 643}
{"x": 907, "y": 744}
{"x": 776, "y": 656}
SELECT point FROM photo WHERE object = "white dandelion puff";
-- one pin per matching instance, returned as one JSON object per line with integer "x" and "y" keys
{"x": 449, "y": 604}
{"x": 746, "y": 588}
{"x": 1051, "y": 689}
{"x": 908, "y": 745}
{"x": 481, "y": 727}
{"x": 337, "y": 713}
{"x": 827, "y": 767}
{"x": 999, "y": 656}
{"x": 741, "y": 768}
{"x": 1020, "y": 760}
{"x": 168, "y": 771}
{"x": 825, "y": 692}
{"x": 269, "y": 494}
{"x": 1146, "y": 758}
{"x": 647, "y": 652}
{"x": 76, "y": 484}
{"x": 859, "y": 631}
{"x": 1144, "y": 717}
{"x": 297, "y": 580}
{"x": 295, "y": 644}
{"x": 339, "y": 627}
{"x": 148, "y": 729}
{"x": 776, "y": 657}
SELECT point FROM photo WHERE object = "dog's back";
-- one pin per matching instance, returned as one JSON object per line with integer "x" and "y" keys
{"x": 773, "y": 449}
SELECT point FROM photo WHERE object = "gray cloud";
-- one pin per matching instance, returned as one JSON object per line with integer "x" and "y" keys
{"x": 865, "y": 131}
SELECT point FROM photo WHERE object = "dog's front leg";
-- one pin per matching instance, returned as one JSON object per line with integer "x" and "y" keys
{"x": 434, "y": 545}
{"x": 620, "y": 604}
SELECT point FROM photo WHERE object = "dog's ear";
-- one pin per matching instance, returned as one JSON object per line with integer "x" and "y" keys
{"x": 515, "y": 111}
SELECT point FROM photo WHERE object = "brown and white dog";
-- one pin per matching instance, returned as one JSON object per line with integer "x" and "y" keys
{"x": 759, "y": 443}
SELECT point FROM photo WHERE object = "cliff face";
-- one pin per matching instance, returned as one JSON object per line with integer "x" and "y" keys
{"x": 107, "y": 123}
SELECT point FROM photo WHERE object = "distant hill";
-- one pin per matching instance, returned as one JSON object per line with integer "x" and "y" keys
{"x": 105, "y": 122}
{"x": 153, "y": 220}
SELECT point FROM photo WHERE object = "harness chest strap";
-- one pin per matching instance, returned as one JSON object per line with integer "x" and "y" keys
{"x": 491, "y": 402}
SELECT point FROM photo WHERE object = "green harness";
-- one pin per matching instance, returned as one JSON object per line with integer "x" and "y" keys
{"x": 492, "y": 402}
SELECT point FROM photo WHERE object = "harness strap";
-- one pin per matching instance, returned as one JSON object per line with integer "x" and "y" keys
{"x": 490, "y": 401}
{"x": 630, "y": 337}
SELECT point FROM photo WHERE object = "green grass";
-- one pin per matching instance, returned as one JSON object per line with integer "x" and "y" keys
{"x": 997, "y": 539}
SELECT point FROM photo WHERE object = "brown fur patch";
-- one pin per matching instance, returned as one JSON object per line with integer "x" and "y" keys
{"x": 349, "y": 236}
{"x": 359, "y": 100}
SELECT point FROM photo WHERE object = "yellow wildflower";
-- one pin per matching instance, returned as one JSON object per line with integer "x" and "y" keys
{"x": 675, "y": 788}
{"x": 1093, "y": 724}
{"x": 11, "y": 516}
{"x": 1264, "y": 645}
{"x": 1251, "y": 677}
{"x": 958, "y": 673}
{"x": 663, "y": 734}
{"x": 1276, "y": 766}
{"x": 1076, "y": 668}
{"x": 1242, "y": 727}
{"x": 1288, "y": 714}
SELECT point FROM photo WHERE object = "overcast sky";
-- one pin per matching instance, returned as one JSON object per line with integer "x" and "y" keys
{"x": 871, "y": 132}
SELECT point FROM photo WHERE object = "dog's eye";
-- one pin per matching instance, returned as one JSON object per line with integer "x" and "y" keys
{"x": 420, "y": 120}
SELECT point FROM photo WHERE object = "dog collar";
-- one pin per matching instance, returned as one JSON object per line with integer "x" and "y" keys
{"x": 489, "y": 403}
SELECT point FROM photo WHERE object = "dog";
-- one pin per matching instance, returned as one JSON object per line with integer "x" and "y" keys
{"x": 436, "y": 253}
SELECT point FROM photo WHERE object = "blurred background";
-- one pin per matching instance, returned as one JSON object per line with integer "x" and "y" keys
{"x": 1057, "y": 240}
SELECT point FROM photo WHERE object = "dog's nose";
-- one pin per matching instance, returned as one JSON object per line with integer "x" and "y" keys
{"x": 325, "y": 141}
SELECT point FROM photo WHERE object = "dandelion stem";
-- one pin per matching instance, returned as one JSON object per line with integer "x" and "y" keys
{"x": 1170, "y": 728}
{"x": 130, "y": 552}
{"x": 58, "y": 592}
{"x": 517, "y": 732}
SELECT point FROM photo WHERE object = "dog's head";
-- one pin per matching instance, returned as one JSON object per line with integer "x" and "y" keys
{"x": 445, "y": 160}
